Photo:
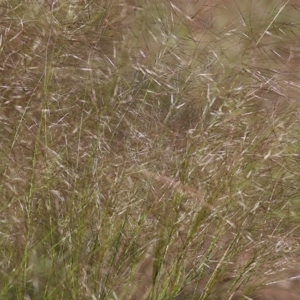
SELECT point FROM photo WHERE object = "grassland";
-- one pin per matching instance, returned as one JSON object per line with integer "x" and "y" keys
{"x": 149, "y": 149}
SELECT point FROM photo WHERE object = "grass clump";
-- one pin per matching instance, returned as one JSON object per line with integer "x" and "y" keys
{"x": 148, "y": 151}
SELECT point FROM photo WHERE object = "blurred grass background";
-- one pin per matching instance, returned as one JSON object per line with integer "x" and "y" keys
{"x": 149, "y": 149}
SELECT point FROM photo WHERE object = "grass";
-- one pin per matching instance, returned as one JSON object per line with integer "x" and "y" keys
{"x": 148, "y": 151}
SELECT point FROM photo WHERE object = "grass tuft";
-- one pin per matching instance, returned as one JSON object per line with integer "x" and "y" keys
{"x": 148, "y": 150}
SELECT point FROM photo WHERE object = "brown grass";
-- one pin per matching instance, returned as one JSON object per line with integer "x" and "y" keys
{"x": 149, "y": 150}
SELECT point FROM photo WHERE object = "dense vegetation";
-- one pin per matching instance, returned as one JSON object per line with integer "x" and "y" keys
{"x": 149, "y": 149}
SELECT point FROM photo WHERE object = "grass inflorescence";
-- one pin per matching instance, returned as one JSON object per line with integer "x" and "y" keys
{"x": 149, "y": 149}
